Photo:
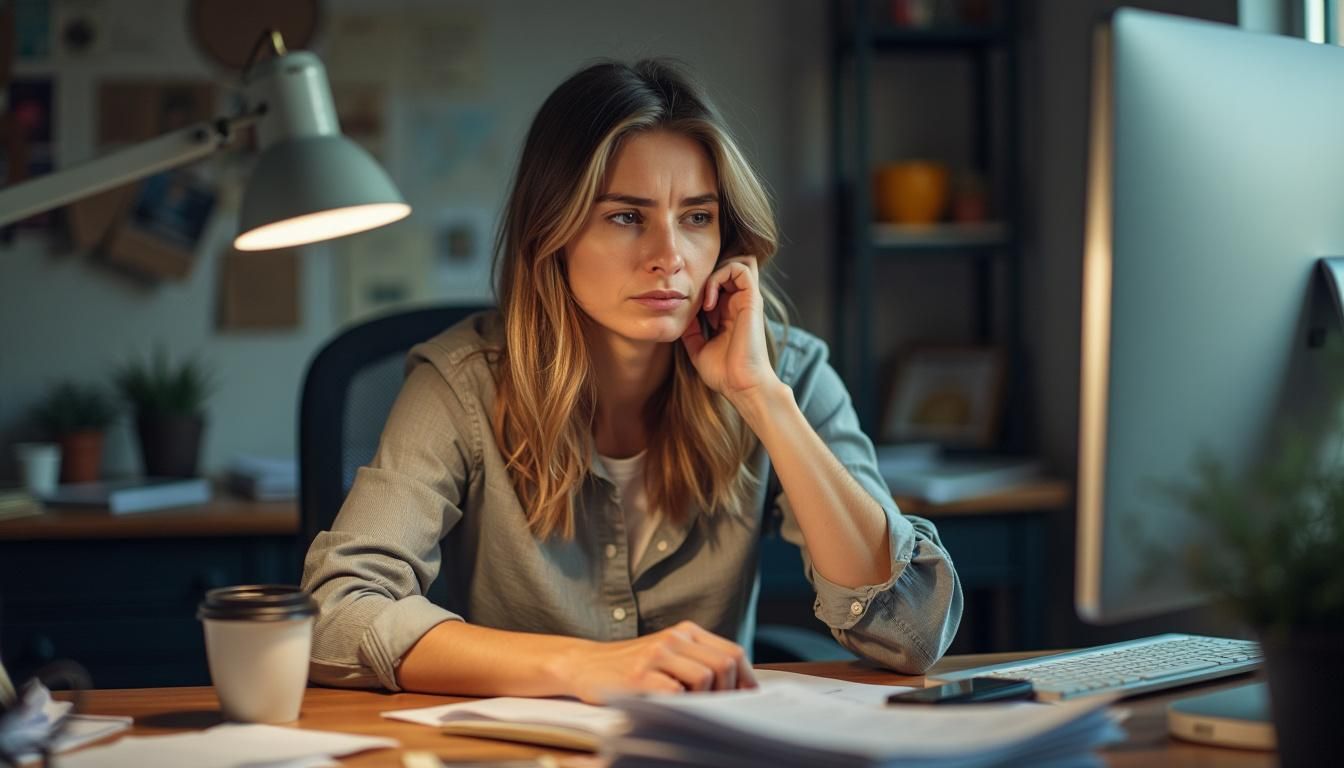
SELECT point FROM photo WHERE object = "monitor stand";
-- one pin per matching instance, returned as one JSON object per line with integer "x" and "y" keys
{"x": 1232, "y": 717}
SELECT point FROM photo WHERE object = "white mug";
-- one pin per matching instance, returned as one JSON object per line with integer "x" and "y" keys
{"x": 257, "y": 642}
{"x": 39, "y": 466}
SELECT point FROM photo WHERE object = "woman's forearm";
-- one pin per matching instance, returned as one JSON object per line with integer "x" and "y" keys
{"x": 469, "y": 660}
{"x": 845, "y": 528}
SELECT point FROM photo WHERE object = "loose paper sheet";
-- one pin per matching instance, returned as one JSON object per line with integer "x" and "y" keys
{"x": 226, "y": 746}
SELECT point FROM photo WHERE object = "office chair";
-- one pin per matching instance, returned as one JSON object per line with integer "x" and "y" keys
{"x": 348, "y": 392}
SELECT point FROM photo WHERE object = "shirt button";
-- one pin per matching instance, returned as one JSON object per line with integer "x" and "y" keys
{"x": 662, "y": 546}
{"x": 611, "y": 550}
{"x": 856, "y": 608}
{"x": 618, "y": 614}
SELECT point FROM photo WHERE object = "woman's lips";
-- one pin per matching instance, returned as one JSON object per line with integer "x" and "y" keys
{"x": 661, "y": 303}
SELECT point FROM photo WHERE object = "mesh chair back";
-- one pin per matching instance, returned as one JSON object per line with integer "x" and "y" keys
{"x": 347, "y": 395}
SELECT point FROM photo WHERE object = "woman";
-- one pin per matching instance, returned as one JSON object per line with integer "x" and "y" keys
{"x": 593, "y": 457}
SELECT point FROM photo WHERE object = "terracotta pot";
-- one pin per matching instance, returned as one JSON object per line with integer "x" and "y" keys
{"x": 914, "y": 192}
{"x": 1306, "y": 673}
{"x": 81, "y": 456}
{"x": 170, "y": 444}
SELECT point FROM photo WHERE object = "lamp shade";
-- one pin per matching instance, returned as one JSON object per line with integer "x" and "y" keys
{"x": 315, "y": 188}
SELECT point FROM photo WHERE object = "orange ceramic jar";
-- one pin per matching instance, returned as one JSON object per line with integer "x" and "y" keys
{"x": 911, "y": 192}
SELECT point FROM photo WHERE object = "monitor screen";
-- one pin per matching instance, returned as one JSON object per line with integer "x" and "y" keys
{"x": 1216, "y": 183}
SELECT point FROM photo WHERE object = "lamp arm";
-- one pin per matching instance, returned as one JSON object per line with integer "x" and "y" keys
{"x": 19, "y": 201}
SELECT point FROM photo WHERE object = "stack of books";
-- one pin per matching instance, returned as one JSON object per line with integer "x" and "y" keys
{"x": 264, "y": 479}
{"x": 783, "y": 727}
{"x": 18, "y": 503}
{"x": 925, "y": 473}
{"x": 140, "y": 494}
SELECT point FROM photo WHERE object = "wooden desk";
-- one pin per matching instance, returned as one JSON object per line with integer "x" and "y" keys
{"x": 165, "y": 710}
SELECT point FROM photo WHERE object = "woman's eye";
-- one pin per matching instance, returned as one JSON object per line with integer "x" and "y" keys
{"x": 701, "y": 218}
{"x": 624, "y": 218}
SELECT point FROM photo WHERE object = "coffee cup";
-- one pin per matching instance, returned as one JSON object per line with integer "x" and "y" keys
{"x": 40, "y": 467}
{"x": 257, "y": 642}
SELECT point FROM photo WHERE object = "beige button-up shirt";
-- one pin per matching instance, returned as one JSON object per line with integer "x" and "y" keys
{"x": 437, "y": 497}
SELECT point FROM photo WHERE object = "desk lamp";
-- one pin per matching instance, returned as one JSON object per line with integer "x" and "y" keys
{"x": 310, "y": 182}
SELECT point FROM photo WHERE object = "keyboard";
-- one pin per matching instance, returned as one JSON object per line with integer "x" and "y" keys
{"x": 1128, "y": 668}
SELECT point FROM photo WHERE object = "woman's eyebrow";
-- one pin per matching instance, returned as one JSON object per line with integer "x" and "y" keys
{"x": 644, "y": 202}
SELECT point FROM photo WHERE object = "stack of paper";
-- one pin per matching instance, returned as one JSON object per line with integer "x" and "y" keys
{"x": 788, "y": 726}
{"x": 264, "y": 479}
{"x": 574, "y": 725}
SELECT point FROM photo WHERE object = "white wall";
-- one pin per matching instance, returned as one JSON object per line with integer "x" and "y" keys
{"x": 63, "y": 316}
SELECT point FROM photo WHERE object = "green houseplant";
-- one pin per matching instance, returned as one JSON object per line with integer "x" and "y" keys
{"x": 77, "y": 417}
{"x": 1272, "y": 554}
{"x": 169, "y": 402}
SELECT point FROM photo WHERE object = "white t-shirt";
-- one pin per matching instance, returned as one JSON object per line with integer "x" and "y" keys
{"x": 640, "y": 523}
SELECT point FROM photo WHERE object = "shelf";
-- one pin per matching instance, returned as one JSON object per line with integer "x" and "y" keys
{"x": 1041, "y": 495}
{"x": 940, "y": 237}
{"x": 939, "y": 37}
{"x": 221, "y": 516}
{"x": 893, "y": 38}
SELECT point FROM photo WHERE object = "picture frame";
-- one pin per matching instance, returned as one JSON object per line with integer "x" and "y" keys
{"x": 949, "y": 395}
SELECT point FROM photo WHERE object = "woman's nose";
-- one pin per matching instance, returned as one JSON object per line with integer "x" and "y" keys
{"x": 663, "y": 253}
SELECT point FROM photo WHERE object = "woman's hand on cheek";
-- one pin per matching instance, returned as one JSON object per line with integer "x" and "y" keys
{"x": 735, "y": 361}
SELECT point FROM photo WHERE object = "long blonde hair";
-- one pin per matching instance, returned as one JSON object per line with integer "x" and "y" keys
{"x": 546, "y": 393}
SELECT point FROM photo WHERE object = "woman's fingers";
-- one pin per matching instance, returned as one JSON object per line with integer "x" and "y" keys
{"x": 745, "y": 678}
{"x": 683, "y": 657}
{"x": 735, "y": 274}
{"x": 725, "y": 661}
{"x": 661, "y": 682}
{"x": 689, "y": 671}
{"x": 722, "y": 666}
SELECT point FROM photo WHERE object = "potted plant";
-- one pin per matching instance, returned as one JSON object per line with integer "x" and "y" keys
{"x": 1273, "y": 556}
{"x": 77, "y": 417}
{"x": 169, "y": 402}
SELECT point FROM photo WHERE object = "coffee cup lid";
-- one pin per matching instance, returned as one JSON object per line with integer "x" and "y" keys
{"x": 257, "y": 602}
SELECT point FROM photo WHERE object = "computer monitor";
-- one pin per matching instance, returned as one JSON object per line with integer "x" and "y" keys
{"x": 1216, "y": 183}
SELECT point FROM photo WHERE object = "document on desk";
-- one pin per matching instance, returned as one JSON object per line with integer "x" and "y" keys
{"x": 228, "y": 746}
{"x": 572, "y": 724}
{"x": 861, "y": 693}
{"x": 560, "y": 723}
{"x": 793, "y": 726}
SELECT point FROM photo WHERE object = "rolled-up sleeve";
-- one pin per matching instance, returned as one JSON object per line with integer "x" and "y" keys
{"x": 907, "y": 622}
{"x": 371, "y": 571}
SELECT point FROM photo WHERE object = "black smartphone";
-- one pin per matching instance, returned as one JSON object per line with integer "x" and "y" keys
{"x": 706, "y": 329}
{"x": 970, "y": 691}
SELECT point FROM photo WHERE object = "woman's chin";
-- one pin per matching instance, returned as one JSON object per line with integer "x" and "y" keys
{"x": 656, "y": 330}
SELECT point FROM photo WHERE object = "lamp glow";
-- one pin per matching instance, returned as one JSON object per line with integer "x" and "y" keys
{"x": 323, "y": 225}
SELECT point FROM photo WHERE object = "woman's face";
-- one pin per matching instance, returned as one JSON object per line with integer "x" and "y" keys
{"x": 651, "y": 239}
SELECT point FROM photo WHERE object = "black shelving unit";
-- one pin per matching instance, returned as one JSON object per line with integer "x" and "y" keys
{"x": 859, "y": 37}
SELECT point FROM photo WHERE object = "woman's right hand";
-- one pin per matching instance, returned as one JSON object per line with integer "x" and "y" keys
{"x": 684, "y": 657}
